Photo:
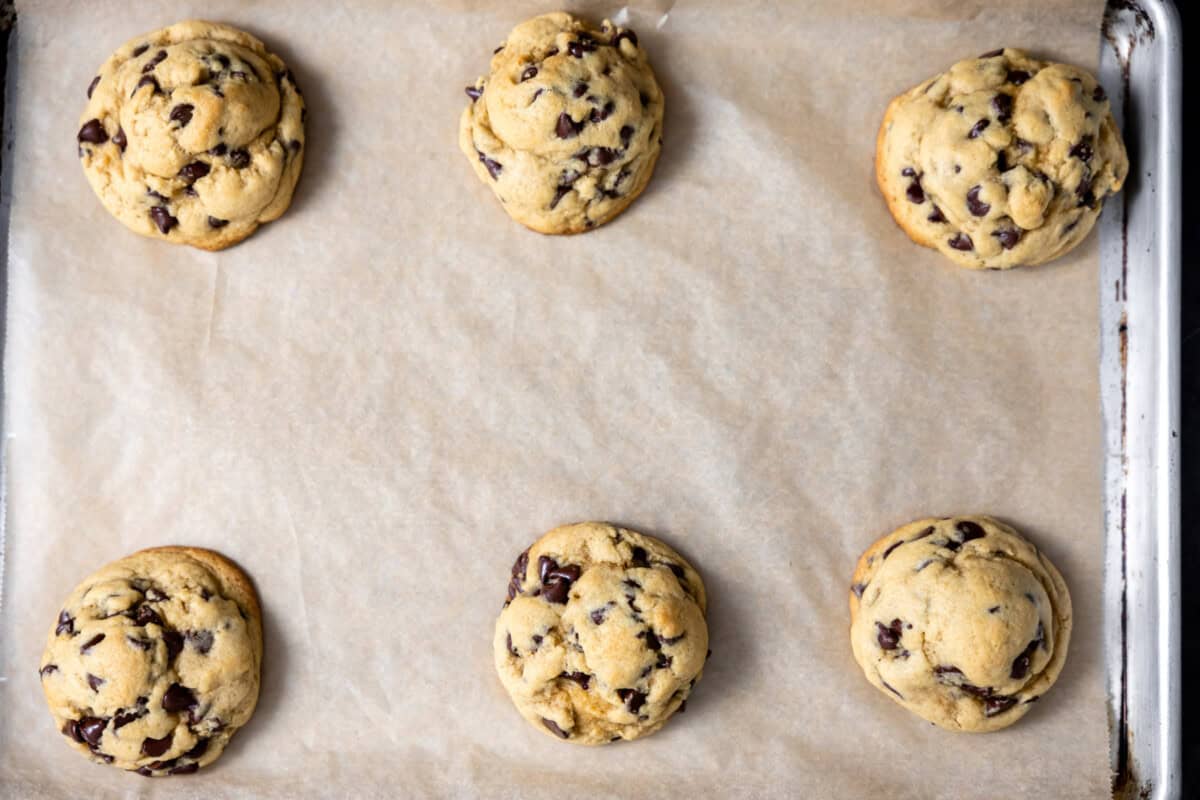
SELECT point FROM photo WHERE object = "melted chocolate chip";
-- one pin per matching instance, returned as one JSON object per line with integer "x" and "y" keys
{"x": 194, "y": 171}
{"x": 239, "y": 158}
{"x": 632, "y": 699}
{"x": 960, "y": 241}
{"x": 182, "y": 114}
{"x": 552, "y": 726}
{"x": 163, "y": 219}
{"x": 159, "y": 57}
{"x": 178, "y": 698}
{"x": 474, "y": 93}
{"x": 978, "y": 128}
{"x": 582, "y": 678}
{"x": 976, "y": 206}
{"x": 156, "y": 747}
{"x": 92, "y": 86}
{"x": 90, "y": 643}
{"x": 66, "y": 624}
{"x": 1083, "y": 150}
{"x": 1003, "y": 105}
{"x": 1017, "y": 76}
{"x": 889, "y": 635}
{"x": 123, "y": 718}
{"x": 567, "y": 128}
{"x": 95, "y": 681}
{"x": 91, "y": 729}
{"x": 936, "y": 215}
{"x": 652, "y": 642}
{"x": 145, "y": 615}
{"x": 174, "y": 643}
{"x": 92, "y": 132}
{"x": 518, "y": 574}
{"x": 147, "y": 80}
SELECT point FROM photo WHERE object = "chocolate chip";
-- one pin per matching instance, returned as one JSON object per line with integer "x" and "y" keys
{"x": 92, "y": 132}
{"x": 91, "y": 729}
{"x": 494, "y": 167}
{"x": 908, "y": 172}
{"x": 174, "y": 643}
{"x": 237, "y": 74}
{"x": 198, "y": 750}
{"x": 215, "y": 223}
{"x": 664, "y": 661}
{"x": 95, "y": 681}
{"x": 858, "y": 589}
{"x": 889, "y": 635}
{"x": 670, "y": 640}
{"x": 182, "y": 114}
{"x": 923, "y": 564}
{"x": 582, "y": 678}
{"x": 474, "y": 93}
{"x": 144, "y": 771}
{"x": 1098, "y": 95}
{"x": 580, "y": 89}
{"x": 626, "y": 134}
{"x": 630, "y": 35}
{"x": 239, "y": 158}
{"x": 638, "y": 557}
{"x": 890, "y": 688}
{"x": 147, "y": 80}
{"x": 66, "y": 624}
{"x": 960, "y": 241}
{"x": 1083, "y": 150}
{"x": 163, "y": 219}
{"x": 559, "y": 193}
{"x": 498, "y": 49}
{"x": 976, "y": 206}
{"x": 144, "y": 615}
{"x": 223, "y": 60}
{"x": 184, "y": 769}
{"x": 529, "y": 72}
{"x": 71, "y": 728}
{"x": 552, "y": 726}
{"x": 632, "y": 699}
{"x": 123, "y": 718}
{"x": 1003, "y": 105}
{"x": 201, "y": 641}
{"x": 512, "y": 650}
{"x": 141, "y": 48}
{"x": 969, "y": 530}
{"x": 945, "y": 670}
{"x": 156, "y": 747}
{"x": 90, "y": 643}
{"x": 567, "y": 128}
{"x": 888, "y": 552}
{"x": 645, "y": 101}
{"x": 914, "y": 192}
{"x": 219, "y": 150}
{"x": 92, "y": 86}
{"x": 46, "y": 670}
{"x": 997, "y": 705}
{"x": 159, "y": 57}
{"x": 978, "y": 128}
{"x": 556, "y": 591}
{"x": 993, "y": 53}
{"x": 119, "y": 139}
{"x": 1084, "y": 192}
{"x": 575, "y": 49}
{"x": 632, "y": 605}
{"x": 1017, "y": 76}
{"x": 1002, "y": 162}
{"x": 194, "y": 171}
{"x": 178, "y": 698}
{"x": 652, "y": 642}
{"x": 140, "y": 644}
{"x": 936, "y": 215}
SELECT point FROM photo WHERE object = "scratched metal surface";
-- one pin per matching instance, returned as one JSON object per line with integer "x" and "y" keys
{"x": 1139, "y": 317}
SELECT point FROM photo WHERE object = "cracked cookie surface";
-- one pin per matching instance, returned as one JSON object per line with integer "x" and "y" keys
{"x": 193, "y": 134}
{"x": 153, "y": 663}
{"x": 1000, "y": 161}
{"x": 960, "y": 620}
{"x": 567, "y": 125}
{"x": 603, "y": 634}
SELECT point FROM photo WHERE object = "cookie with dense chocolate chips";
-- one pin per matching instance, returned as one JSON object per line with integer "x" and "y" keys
{"x": 153, "y": 661}
{"x": 567, "y": 125}
{"x": 193, "y": 123}
{"x": 960, "y": 620}
{"x": 1014, "y": 157}
{"x": 602, "y": 636}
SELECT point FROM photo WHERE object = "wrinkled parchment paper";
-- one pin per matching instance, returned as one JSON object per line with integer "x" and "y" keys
{"x": 376, "y": 402}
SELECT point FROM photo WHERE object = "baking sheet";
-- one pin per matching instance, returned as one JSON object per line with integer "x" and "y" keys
{"x": 375, "y": 403}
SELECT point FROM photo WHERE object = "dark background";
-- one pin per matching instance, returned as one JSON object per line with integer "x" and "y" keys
{"x": 1190, "y": 371}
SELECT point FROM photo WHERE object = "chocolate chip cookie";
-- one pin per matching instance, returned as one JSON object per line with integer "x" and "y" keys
{"x": 602, "y": 636}
{"x": 193, "y": 134}
{"x": 960, "y": 620}
{"x": 153, "y": 662}
{"x": 1001, "y": 161}
{"x": 567, "y": 125}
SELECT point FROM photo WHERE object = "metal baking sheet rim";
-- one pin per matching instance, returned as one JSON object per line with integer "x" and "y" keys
{"x": 1139, "y": 372}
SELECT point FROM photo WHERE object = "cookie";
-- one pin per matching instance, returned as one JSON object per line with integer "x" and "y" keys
{"x": 960, "y": 620}
{"x": 1001, "y": 161}
{"x": 602, "y": 636}
{"x": 567, "y": 125}
{"x": 153, "y": 663}
{"x": 193, "y": 134}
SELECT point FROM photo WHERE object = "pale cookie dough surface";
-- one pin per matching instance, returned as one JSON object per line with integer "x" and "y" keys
{"x": 567, "y": 125}
{"x": 960, "y": 620}
{"x": 153, "y": 663}
{"x": 603, "y": 634}
{"x": 193, "y": 134}
{"x": 1000, "y": 161}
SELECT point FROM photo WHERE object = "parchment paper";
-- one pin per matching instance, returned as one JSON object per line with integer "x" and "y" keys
{"x": 376, "y": 402}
